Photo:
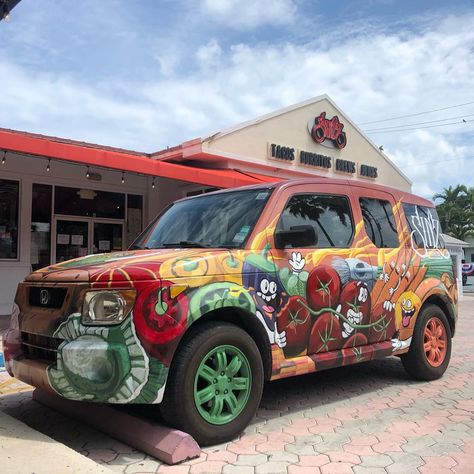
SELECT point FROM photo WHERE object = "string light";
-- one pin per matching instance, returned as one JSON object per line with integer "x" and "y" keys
{"x": 6, "y": 12}
{"x": 123, "y": 177}
{"x": 153, "y": 183}
{"x": 4, "y": 159}
{"x": 88, "y": 175}
{"x": 48, "y": 168}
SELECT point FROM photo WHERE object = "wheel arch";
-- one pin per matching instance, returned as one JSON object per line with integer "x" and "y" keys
{"x": 246, "y": 321}
{"x": 445, "y": 305}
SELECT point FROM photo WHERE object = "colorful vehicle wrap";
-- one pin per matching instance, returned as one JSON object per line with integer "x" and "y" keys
{"x": 319, "y": 308}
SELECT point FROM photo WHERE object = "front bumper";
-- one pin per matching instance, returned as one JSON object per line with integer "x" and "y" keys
{"x": 99, "y": 364}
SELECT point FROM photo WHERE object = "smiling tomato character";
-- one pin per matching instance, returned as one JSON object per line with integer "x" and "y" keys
{"x": 355, "y": 308}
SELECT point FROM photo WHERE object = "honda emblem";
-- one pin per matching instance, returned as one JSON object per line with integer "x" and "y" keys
{"x": 44, "y": 297}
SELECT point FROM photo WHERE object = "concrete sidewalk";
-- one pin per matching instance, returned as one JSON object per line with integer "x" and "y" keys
{"x": 39, "y": 454}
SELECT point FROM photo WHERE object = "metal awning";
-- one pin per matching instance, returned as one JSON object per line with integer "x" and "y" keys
{"x": 123, "y": 160}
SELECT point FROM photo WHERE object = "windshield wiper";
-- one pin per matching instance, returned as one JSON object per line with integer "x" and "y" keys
{"x": 185, "y": 243}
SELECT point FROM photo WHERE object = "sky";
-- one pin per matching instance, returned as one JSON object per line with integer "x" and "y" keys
{"x": 147, "y": 74}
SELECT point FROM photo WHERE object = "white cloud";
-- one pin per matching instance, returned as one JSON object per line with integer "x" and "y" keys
{"x": 370, "y": 76}
{"x": 250, "y": 13}
{"x": 210, "y": 53}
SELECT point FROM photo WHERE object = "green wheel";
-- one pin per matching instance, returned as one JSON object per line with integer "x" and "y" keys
{"x": 215, "y": 383}
{"x": 222, "y": 385}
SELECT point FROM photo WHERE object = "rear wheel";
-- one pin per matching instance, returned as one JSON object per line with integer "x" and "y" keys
{"x": 430, "y": 349}
{"x": 215, "y": 383}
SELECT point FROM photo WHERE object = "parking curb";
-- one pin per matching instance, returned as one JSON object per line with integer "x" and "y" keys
{"x": 166, "y": 444}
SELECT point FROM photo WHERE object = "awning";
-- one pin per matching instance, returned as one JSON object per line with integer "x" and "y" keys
{"x": 123, "y": 160}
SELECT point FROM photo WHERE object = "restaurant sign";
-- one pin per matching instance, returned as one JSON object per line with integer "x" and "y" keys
{"x": 327, "y": 131}
{"x": 317, "y": 160}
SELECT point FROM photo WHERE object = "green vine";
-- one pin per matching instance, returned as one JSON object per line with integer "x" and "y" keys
{"x": 341, "y": 316}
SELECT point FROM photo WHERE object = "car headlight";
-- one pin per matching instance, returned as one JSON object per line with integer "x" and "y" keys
{"x": 104, "y": 307}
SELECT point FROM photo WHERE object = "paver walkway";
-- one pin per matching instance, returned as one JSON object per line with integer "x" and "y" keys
{"x": 365, "y": 418}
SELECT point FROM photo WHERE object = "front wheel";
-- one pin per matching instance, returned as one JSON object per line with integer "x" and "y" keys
{"x": 215, "y": 383}
{"x": 430, "y": 349}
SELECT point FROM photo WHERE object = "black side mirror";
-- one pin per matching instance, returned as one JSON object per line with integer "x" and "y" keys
{"x": 296, "y": 236}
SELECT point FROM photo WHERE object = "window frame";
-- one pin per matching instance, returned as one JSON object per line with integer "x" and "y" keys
{"x": 19, "y": 216}
{"x": 379, "y": 199}
{"x": 347, "y": 197}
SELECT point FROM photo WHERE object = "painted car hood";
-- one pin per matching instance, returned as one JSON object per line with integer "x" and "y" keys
{"x": 136, "y": 265}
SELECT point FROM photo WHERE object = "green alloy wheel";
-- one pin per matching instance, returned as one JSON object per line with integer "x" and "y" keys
{"x": 215, "y": 383}
{"x": 222, "y": 384}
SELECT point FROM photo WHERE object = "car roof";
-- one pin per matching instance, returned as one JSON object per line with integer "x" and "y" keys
{"x": 399, "y": 194}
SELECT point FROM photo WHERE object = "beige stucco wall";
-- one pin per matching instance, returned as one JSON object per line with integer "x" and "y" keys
{"x": 290, "y": 128}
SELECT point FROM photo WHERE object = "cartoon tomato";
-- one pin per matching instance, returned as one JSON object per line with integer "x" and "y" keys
{"x": 325, "y": 334}
{"x": 355, "y": 307}
{"x": 296, "y": 321}
{"x": 160, "y": 320}
{"x": 323, "y": 287}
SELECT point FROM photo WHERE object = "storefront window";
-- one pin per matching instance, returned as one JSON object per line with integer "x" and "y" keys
{"x": 9, "y": 199}
{"x": 41, "y": 226}
{"x": 89, "y": 203}
{"x": 134, "y": 217}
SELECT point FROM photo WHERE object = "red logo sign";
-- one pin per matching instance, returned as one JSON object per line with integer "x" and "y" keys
{"x": 328, "y": 129}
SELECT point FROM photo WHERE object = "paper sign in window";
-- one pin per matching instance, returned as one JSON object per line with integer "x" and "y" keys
{"x": 104, "y": 245}
{"x": 77, "y": 239}
{"x": 63, "y": 239}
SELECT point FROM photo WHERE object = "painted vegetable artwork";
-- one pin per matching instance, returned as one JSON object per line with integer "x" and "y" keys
{"x": 318, "y": 309}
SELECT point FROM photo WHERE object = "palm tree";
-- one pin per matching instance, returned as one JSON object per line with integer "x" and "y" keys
{"x": 456, "y": 211}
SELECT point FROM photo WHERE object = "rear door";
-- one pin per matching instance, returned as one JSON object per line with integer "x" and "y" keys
{"x": 386, "y": 244}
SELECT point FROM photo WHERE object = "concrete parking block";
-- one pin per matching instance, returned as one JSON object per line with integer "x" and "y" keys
{"x": 168, "y": 445}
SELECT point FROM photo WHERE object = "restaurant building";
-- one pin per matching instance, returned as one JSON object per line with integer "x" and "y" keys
{"x": 61, "y": 199}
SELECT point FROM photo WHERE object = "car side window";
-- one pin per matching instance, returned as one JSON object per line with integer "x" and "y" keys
{"x": 330, "y": 216}
{"x": 379, "y": 222}
{"x": 424, "y": 226}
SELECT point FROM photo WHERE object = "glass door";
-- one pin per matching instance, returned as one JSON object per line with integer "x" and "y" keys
{"x": 107, "y": 237}
{"x": 71, "y": 239}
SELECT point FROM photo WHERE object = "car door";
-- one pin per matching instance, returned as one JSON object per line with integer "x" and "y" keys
{"x": 386, "y": 244}
{"x": 326, "y": 304}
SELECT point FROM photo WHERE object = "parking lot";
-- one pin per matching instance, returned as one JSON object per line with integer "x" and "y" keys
{"x": 364, "y": 418}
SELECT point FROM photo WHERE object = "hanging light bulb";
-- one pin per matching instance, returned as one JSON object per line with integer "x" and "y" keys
{"x": 123, "y": 177}
{"x": 88, "y": 175}
{"x": 4, "y": 159}
{"x": 6, "y": 12}
{"x": 48, "y": 168}
{"x": 153, "y": 183}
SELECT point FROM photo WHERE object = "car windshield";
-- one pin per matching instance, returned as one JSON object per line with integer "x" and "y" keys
{"x": 214, "y": 220}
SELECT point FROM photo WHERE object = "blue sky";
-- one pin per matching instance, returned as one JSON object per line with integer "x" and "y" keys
{"x": 146, "y": 74}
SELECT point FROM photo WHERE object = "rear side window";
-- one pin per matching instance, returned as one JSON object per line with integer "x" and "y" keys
{"x": 424, "y": 227}
{"x": 330, "y": 216}
{"x": 379, "y": 222}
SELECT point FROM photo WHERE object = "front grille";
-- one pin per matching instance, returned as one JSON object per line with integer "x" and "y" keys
{"x": 47, "y": 296}
{"x": 37, "y": 347}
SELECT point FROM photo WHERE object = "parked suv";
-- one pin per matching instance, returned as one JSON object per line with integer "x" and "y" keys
{"x": 226, "y": 290}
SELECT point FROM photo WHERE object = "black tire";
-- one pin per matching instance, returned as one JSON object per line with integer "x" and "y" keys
{"x": 415, "y": 361}
{"x": 179, "y": 408}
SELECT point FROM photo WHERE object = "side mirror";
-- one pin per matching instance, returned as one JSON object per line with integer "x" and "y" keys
{"x": 296, "y": 236}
